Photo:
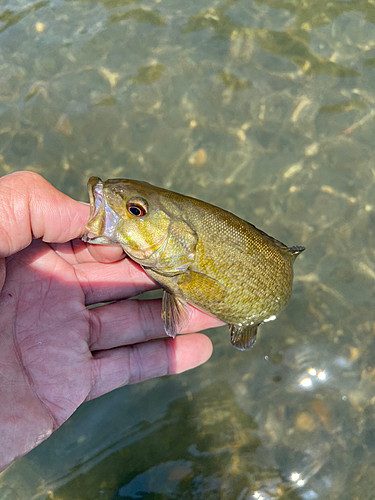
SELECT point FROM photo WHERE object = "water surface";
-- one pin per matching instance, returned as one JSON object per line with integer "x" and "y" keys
{"x": 265, "y": 108}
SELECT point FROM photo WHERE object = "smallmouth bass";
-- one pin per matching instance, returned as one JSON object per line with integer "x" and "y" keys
{"x": 199, "y": 254}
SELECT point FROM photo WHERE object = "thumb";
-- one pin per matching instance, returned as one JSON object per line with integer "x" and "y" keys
{"x": 30, "y": 207}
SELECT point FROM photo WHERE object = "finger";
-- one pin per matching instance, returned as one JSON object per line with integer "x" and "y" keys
{"x": 102, "y": 282}
{"x": 105, "y": 253}
{"x": 78, "y": 252}
{"x": 134, "y": 321}
{"x": 112, "y": 281}
{"x": 30, "y": 207}
{"x": 132, "y": 364}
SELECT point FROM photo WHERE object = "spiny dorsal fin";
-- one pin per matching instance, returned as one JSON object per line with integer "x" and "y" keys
{"x": 243, "y": 336}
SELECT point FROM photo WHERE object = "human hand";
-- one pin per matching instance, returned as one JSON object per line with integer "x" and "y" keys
{"x": 54, "y": 352}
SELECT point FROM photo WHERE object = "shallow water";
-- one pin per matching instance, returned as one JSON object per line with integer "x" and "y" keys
{"x": 265, "y": 108}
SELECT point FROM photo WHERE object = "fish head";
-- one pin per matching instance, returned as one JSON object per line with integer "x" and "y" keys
{"x": 127, "y": 213}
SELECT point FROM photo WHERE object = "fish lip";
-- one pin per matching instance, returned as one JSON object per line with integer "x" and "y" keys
{"x": 100, "y": 208}
{"x": 96, "y": 240}
{"x": 88, "y": 237}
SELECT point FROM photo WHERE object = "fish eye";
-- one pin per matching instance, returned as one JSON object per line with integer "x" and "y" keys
{"x": 137, "y": 207}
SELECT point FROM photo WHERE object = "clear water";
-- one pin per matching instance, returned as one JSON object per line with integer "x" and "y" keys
{"x": 265, "y": 108}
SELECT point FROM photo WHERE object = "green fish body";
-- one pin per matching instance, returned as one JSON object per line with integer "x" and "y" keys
{"x": 199, "y": 253}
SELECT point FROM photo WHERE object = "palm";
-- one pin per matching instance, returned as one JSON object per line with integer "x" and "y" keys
{"x": 62, "y": 353}
{"x": 50, "y": 329}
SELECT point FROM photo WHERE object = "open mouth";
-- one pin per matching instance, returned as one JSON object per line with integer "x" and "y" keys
{"x": 101, "y": 227}
{"x": 95, "y": 239}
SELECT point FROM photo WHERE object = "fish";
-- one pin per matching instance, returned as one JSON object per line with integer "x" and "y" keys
{"x": 198, "y": 253}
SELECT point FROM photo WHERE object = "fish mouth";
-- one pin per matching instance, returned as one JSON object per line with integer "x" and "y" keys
{"x": 96, "y": 240}
{"x": 103, "y": 221}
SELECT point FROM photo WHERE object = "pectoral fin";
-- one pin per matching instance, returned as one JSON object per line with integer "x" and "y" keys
{"x": 174, "y": 314}
{"x": 243, "y": 336}
{"x": 202, "y": 289}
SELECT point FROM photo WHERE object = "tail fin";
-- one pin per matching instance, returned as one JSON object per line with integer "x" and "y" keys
{"x": 295, "y": 251}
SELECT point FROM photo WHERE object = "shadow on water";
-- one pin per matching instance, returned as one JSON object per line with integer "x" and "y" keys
{"x": 292, "y": 44}
{"x": 175, "y": 456}
{"x": 140, "y": 16}
{"x": 203, "y": 447}
{"x": 9, "y": 18}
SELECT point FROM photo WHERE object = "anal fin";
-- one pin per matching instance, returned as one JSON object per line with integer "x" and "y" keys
{"x": 174, "y": 313}
{"x": 243, "y": 336}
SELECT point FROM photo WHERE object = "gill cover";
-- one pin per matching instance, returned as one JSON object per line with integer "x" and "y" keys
{"x": 153, "y": 237}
